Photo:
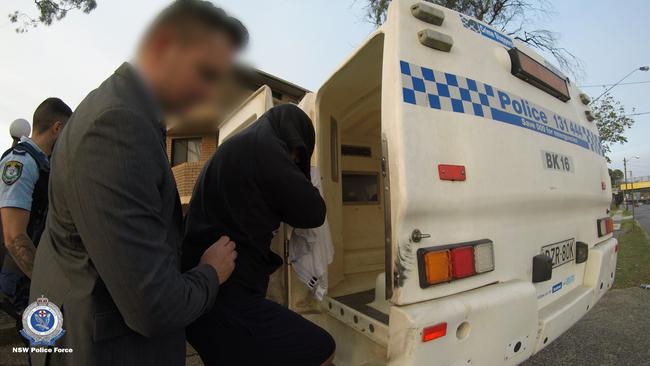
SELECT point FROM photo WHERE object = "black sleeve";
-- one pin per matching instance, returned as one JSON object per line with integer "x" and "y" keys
{"x": 287, "y": 189}
{"x": 118, "y": 214}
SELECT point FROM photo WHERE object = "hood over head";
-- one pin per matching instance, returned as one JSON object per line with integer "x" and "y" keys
{"x": 295, "y": 129}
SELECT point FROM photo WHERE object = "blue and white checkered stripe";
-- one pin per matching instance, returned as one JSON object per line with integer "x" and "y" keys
{"x": 430, "y": 88}
{"x": 448, "y": 92}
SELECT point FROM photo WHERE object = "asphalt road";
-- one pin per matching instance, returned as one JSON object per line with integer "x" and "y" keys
{"x": 642, "y": 215}
{"x": 615, "y": 332}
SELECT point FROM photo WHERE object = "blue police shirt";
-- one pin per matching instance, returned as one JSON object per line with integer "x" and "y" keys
{"x": 19, "y": 176}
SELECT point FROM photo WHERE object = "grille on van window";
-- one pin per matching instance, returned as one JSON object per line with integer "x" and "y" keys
{"x": 350, "y": 150}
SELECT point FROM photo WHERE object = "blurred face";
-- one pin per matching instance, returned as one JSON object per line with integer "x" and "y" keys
{"x": 188, "y": 71}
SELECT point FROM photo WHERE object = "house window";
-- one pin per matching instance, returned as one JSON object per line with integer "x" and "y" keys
{"x": 185, "y": 150}
{"x": 360, "y": 188}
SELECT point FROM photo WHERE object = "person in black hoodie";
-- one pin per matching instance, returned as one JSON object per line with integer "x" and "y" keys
{"x": 256, "y": 179}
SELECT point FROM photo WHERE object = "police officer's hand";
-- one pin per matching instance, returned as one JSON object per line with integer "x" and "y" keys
{"x": 221, "y": 256}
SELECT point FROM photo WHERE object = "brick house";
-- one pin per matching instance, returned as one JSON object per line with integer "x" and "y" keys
{"x": 192, "y": 143}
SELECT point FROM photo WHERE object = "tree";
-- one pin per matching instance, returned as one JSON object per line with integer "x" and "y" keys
{"x": 512, "y": 17}
{"x": 616, "y": 175}
{"x": 612, "y": 121}
{"x": 49, "y": 11}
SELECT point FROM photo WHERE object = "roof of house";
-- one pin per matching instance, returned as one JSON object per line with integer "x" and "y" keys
{"x": 206, "y": 118}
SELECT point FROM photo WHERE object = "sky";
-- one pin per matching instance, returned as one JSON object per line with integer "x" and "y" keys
{"x": 302, "y": 41}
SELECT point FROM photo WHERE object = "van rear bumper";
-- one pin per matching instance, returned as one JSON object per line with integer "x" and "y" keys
{"x": 498, "y": 324}
{"x": 492, "y": 325}
{"x": 558, "y": 317}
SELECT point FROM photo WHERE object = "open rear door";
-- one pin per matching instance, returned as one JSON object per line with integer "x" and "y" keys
{"x": 247, "y": 113}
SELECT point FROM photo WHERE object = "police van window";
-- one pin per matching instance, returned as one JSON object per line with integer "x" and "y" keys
{"x": 351, "y": 150}
{"x": 186, "y": 150}
{"x": 360, "y": 188}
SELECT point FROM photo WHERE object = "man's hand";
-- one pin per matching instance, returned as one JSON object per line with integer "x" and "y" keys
{"x": 221, "y": 256}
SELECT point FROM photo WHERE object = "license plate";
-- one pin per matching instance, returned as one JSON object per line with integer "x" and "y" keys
{"x": 561, "y": 252}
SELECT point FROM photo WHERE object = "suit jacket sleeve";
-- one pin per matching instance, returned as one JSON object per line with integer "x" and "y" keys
{"x": 119, "y": 216}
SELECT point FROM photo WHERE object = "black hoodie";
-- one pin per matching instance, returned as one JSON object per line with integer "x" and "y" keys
{"x": 248, "y": 187}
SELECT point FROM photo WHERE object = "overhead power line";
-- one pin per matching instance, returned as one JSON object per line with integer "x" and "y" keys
{"x": 637, "y": 114}
{"x": 606, "y": 85}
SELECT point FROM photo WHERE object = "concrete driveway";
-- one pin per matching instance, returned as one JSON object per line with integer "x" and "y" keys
{"x": 616, "y": 332}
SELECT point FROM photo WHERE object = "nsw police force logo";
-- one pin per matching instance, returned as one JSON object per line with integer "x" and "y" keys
{"x": 42, "y": 323}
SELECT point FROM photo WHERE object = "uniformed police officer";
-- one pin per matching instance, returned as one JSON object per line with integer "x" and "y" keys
{"x": 23, "y": 199}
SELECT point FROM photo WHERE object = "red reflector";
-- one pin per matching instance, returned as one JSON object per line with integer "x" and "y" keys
{"x": 462, "y": 262}
{"x": 451, "y": 172}
{"x": 434, "y": 332}
{"x": 616, "y": 248}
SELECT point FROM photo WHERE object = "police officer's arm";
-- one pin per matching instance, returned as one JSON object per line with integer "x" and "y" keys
{"x": 17, "y": 242}
{"x": 117, "y": 208}
{"x": 15, "y": 206}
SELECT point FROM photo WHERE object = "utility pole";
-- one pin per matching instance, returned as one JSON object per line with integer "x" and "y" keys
{"x": 633, "y": 198}
{"x": 625, "y": 161}
{"x": 625, "y": 193}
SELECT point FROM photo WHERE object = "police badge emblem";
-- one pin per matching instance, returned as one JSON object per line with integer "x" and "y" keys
{"x": 11, "y": 172}
{"x": 42, "y": 323}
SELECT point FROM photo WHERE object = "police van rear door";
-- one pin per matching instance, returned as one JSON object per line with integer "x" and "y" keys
{"x": 493, "y": 159}
{"x": 248, "y": 112}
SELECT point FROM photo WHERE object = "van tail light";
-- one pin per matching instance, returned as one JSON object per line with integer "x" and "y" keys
{"x": 436, "y": 266}
{"x": 434, "y": 332}
{"x": 484, "y": 257}
{"x": 453, "y": 262}
{"x": 462, "y": 262}
{"x": 605, "y": 226}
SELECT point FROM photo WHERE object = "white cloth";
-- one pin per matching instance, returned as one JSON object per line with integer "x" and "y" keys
{"x": 311, "y": 251}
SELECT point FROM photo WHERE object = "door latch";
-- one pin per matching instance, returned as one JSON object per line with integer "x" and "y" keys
{"x": 417, "y": 236}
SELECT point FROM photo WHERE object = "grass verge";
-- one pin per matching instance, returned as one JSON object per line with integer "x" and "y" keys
{"x": 633, "y": 265}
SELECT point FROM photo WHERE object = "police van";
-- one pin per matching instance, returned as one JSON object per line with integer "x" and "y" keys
{"x": 467, "y": 196}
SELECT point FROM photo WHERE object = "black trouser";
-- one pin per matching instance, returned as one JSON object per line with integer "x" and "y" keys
{"x": 244, "y": 328}
{"x": 15, "y": 286}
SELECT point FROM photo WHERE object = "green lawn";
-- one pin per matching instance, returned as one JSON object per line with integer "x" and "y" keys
{"x": 633, "y": 266}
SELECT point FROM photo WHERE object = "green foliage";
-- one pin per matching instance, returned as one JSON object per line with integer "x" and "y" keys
{"x": 612, "y": 121}
{"x": 632, "y": 267}
{"x": 616, "y": 176}
{"x": 513, "y": 17}
{"x": 49, "y": 11}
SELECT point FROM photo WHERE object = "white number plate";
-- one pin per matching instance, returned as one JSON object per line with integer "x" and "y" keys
{"x": 561, "y": 252}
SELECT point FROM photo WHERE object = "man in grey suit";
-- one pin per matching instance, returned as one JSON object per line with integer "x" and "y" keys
{"x": 110, "y": 254}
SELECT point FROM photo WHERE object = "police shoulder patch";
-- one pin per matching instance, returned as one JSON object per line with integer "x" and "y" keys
{"x": 12, "y": 171}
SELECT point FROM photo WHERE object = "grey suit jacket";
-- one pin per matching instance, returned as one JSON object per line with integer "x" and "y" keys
{"x": 110, "y": 253}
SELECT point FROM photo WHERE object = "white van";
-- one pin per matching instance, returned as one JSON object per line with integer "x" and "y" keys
{"x": 467, "y": 196}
